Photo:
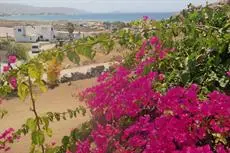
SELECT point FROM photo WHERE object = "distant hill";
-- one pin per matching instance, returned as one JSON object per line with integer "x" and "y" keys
{"x": 16, "y": 9}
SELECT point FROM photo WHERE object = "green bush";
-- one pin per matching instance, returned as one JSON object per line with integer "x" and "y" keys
{"x": 201, "y": 40}
{"x": 12, "y": 48}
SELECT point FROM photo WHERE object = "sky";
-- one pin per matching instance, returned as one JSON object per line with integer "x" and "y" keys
{"x": 115, "y": 5}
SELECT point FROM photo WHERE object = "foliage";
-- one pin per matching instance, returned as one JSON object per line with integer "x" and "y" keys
{"x": 86, "y": 46}
{"x": 12, "y": 48}
{"x": 38, "y": 134}
{"x": 28, "y": 78}
{"x": 77, "y": 134}
{"x": 132, "y": 116}
{"x": 129, "y": 39}
{"x": 70, "y": 28}
{"x": 201, "y": 40}
{"x": 53, "y": 72}
{"x": 150, "y": 103}
{"x": 2, "y": 112}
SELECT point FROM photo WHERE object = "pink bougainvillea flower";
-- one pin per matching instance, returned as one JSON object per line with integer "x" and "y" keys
{"x": 6, "y": 137}
{"x": 83, "y": 147}
{"x": 161, "y": 77}
{"x": 145, "y": 18}
{"x": 53, "y": 143}
{"x": 221, "y": 149}
{"x": 141, "y": 52}
{"x": 131, "y": 116}
{"x": 12, "y": 59}
{"x": 228, "y": 73}
{"x": 6, "y": 68}
{"x": 13, "y": 82}
{"x": 154, "y": 40}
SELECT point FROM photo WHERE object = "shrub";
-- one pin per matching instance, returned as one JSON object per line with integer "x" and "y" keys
{"x": 132, "y": 116}
{"x": 53, "y": 72}
{"x": 201, "y": 40}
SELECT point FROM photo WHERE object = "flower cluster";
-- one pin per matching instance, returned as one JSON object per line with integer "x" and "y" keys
{"x": 6, "y": 137}
{"x": 132, "y": 117}
{"x": 11, "y": 60}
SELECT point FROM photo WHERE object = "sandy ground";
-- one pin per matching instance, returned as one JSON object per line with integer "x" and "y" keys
{"x": 4, "y": 30}
{"x": 57, "y": 100}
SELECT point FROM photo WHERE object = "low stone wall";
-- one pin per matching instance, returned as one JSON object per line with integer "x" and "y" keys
{"x": 93, "y": 72}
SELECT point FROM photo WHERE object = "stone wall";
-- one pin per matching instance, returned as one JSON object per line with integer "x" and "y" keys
{"x": 93, "y": 72}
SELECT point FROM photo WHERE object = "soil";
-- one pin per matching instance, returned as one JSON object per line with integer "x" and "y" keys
{"x": 59, "y": 99}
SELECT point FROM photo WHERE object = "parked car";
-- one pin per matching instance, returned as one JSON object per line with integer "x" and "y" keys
{"x": 36, "y": 48}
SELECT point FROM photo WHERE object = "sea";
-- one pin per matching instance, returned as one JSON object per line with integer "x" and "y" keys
{"x": 109, "y": 17}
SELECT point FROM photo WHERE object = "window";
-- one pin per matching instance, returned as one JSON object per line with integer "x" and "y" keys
{"x": 19, "y": 30}
{"x": 35, "y": 47}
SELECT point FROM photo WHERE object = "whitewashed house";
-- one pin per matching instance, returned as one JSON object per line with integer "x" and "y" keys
{"x": 64, "y": 35}
{"x": 34, "y": 33}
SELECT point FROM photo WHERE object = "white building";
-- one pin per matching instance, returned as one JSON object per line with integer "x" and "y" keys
{"x": 34, "y": 33}
{"x": 64, "y": 35}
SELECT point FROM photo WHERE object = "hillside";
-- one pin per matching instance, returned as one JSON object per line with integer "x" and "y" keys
{"x": 15, "y": 9}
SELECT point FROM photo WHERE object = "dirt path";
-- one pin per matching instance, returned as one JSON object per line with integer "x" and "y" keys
{"x": 59, "y": 99}
{"x": 4, "y": 31}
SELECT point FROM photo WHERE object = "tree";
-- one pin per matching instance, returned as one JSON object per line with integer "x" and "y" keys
{"x": 70, "y": 28}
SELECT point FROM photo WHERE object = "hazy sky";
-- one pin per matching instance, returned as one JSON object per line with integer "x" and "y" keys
{"x": 115, "y": 5}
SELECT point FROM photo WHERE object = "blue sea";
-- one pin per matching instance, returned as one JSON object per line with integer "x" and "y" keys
{"x": 111, "y": 17}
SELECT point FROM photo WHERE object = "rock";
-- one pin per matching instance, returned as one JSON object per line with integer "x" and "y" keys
{"x": 93, "y": 72}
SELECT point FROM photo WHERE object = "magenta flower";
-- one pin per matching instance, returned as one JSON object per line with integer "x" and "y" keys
{"x": 154, "y": 40}
{"x": 6, "y": 68}
{"x": 83, "y": 147}
{"x": 13, "y": 82}
{"x": 141, "y": 52}
{"x": 161, "y": 77}
{"x": 228, "y": 73}
{"x": 145, "y": 18}
{"x": 12, "y": 59}
{"x": 131, "y": 116}
{"x": 6, "y": 137}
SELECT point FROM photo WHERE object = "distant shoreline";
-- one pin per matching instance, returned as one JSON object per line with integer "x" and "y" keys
{"x": 102, "y": 17}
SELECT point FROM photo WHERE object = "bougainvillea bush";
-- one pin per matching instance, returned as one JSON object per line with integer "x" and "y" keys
{"x": 130, "y": 116}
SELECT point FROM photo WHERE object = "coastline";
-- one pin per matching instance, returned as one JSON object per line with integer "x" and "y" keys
{"x": 89, "y": 17}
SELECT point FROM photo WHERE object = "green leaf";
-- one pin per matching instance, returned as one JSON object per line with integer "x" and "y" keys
{"x": 65, "y": 140}
{"x": 31, "y": 123}
{"x": 185, "y": 77}
{"x": 57, "y": 116}
{"x": 35, "y": 71}
{"x": 73, "y": 57}
{"x": 223, "y": 82}
{"x": 52, "y": 150}
{"x": 49, "y": 132}
{"x": 81, "y": 108}
{"x": 64, "y": 117}
{"x": 70, "y": 113}
{"x": 50, "y": 116}
{"x": 38, "y": 138}
{"x": 41, "y": 85}
{"x": 45, "y": 121}
{"x": 60, "y": 56}
{"x": 2, "y": 113}
{"x": 23, "y": 91}
{"x": 32, "y": 148}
